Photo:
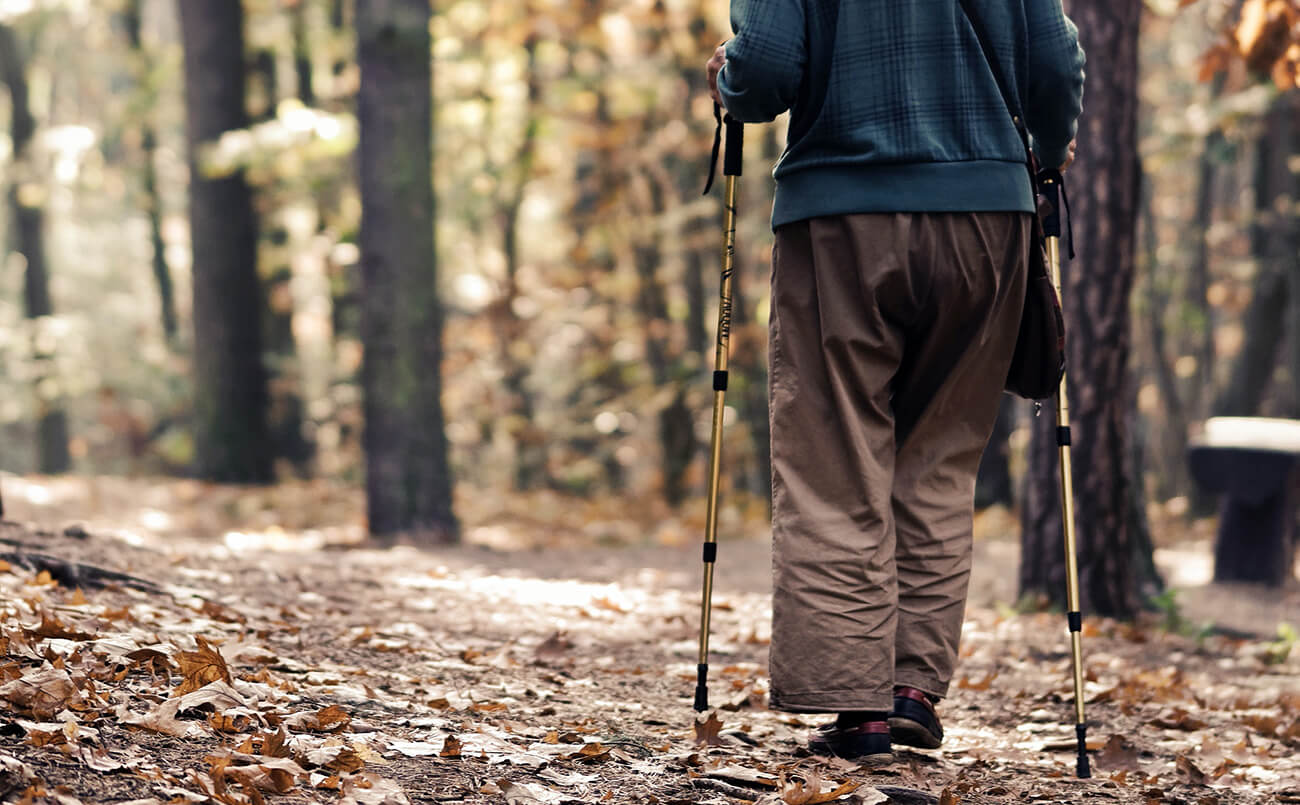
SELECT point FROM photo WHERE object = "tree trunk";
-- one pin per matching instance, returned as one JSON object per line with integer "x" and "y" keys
{"x": 230, "y": 391}
{"x": 1096, "y": 301}
{"x": 1170, "y": 433}
{"x": 302, "y": 55}
{"x": 286, "y": 409}
{"x": 132, "y": 17}
{"x": 28, "y": 215}
{"x": 993, "y": 483}
{"x": 516, "y": 350}
{"x": 408, "y": 478}
{"x": 1198, "y": 282}
{"x": 1273, "y": 243}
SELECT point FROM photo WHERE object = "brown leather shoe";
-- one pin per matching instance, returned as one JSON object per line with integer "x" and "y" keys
{"x": 914, "y": 721}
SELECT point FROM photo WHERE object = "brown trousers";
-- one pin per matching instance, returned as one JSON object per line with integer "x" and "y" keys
{"x": 890, "y": 340}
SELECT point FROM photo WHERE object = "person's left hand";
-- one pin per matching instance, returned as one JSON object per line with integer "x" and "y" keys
{"x": 1069, "y": 158}
{"x": 712, "y": 68}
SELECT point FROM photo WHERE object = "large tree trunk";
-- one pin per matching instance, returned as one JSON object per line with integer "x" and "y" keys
{"x": 1096, "y": 301}
{"x": 230, "y": 394}
{"x": 408, "y": 478}
{"x": 1273, "y": 243}
{"x": 28, "y": 216}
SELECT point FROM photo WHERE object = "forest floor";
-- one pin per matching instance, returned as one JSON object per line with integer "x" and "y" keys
{"x": 283, "y": 662}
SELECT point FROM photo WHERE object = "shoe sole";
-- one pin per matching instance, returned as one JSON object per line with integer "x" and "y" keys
{"x": 912, "y": 733}
{"x": 878, "y": 759}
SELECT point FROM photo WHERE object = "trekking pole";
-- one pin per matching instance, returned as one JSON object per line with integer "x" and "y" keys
{"x": 731, "y": 168}
{"x": 1049, "y": 183}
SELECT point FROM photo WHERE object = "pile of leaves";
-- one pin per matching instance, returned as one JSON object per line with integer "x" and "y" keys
{"x": 95, "y": 682}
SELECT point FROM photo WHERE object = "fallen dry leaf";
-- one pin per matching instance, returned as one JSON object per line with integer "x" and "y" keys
{"x": 340, "y": 758}
{"x": 52, "y": 627}
{"x": 275, "y": 744}
{"x": 813, "y": 790}
{"x": 201, "y": 667}
{"x": 1188, "y": 771}
{"x": 744, "y": 776}
{"x": 42, "y": 693}
{"x": 552, "y": 649}
{"x": 590, "y": 753}
{"x": 162, "y": 719}
{"x": 450, "y": 747}
{"x": 218, "y": 696}
{"x": 1118, "y": 754}
{"x": 368, "y": 788}
{"x": 14, "y": 775}
{"x": 414, "y": 748}
{"x": 707, "y": 729}
{"x": 1179, "y": 719}
{"x": 530, "y": 794}
{"x": 329, "y": 719}
{"x": 983, "y": 683}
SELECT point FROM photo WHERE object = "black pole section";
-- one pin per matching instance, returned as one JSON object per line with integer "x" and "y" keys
{"x": 1081, "y": 768}
{"x": 733, "y": 162}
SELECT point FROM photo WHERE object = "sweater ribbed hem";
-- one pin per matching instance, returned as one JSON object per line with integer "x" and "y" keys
{"x": 975, "y": 186}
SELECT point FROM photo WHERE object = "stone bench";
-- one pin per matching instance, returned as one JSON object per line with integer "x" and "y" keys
{"x": 1253, "y": 463}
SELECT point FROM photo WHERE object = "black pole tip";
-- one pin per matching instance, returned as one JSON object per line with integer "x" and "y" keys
{"x": 701, "y": 687}
{"x": 1083, "y": 769}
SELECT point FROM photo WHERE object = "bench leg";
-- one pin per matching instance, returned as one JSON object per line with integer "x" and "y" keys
{"x": 1255, "y": 543}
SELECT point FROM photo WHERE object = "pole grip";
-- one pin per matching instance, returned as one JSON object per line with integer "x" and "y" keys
{"x": 734, "y": 161}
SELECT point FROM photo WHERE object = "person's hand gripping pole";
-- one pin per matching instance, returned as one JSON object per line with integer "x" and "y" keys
{"x": 1050, "y": 185}
{"x": 731, "y": 169}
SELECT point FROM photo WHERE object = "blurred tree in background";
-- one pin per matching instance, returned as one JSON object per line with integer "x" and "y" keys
{"x": 408, "y": 481}
{"x": 230, "y": 386}
{"x": 26, "y": 209}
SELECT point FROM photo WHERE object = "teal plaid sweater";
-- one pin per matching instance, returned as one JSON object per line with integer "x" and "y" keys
{"x": 912, "y": 119}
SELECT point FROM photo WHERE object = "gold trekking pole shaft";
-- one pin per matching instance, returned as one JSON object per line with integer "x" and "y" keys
{"x": 1050, "y": 184}
{"x": 731, "y": 172}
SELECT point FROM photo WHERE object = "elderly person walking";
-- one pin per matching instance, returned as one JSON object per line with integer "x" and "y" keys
{"x": 902, "y": 223}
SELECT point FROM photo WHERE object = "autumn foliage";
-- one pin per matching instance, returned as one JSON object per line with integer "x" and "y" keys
{"x": 1265, "y": 37}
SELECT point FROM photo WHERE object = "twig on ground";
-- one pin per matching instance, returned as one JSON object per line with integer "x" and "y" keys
{"x": 733, "y": 791}
{"x": 74, "y": 574}
{"x": 907, "y": 796}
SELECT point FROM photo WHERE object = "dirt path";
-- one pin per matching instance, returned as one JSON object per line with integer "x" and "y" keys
{"x": 473, "y": 675}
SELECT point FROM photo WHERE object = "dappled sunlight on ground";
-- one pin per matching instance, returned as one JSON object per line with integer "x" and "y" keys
{"x": 308, "y": 515}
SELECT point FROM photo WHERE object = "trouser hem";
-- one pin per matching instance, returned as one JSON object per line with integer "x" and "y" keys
{"x": 925, "y": 685}
{"x": 831, "y": 701}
